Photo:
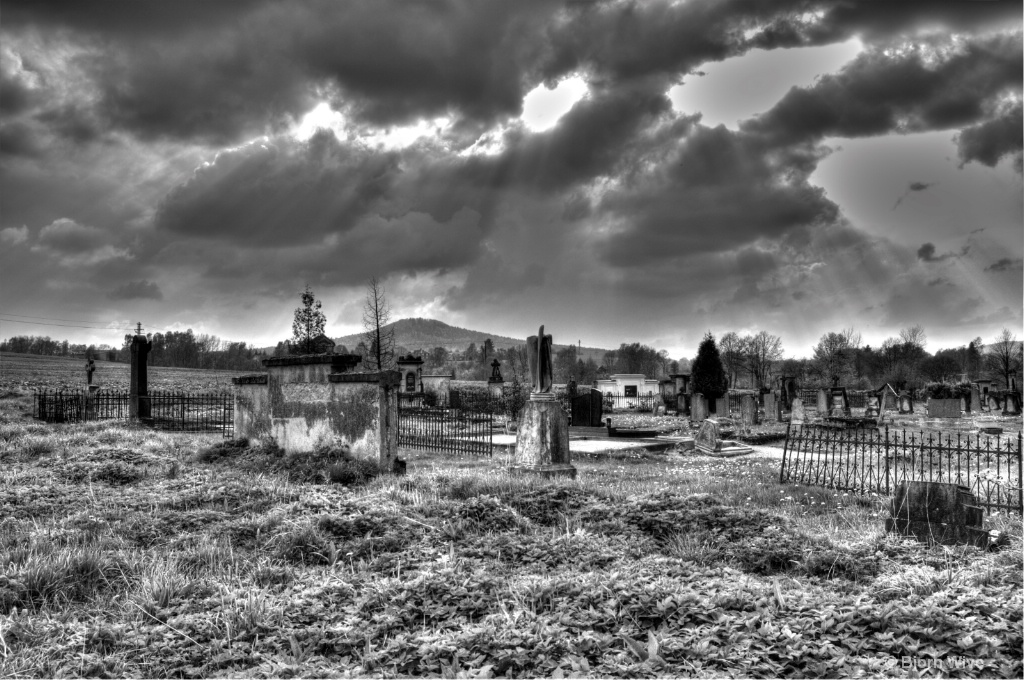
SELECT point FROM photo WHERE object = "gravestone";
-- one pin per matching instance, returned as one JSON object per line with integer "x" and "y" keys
{"x": 906, "y": 403}
{"x": 975, "y": 400}
{"x": 934, "y": 512}
{"x": 698, "y": 408}
{"x": 748, "y": 411}
{"x": 1011, "y": 404}
{"x": 889, "y": 398}
{"x": 838, "y": 403}
{"x": 873, "y": 408}
{"x": 787, "y": 391}
{"x": 709, "y": 440}
{"x": 90, "y": 368}
{"x": 944, "y": 408}
{"x": 994, "y": 402}
{"x": 683, "y": 404}
{"x": 822, "y": 403}
{"x": 542, "y": 436}
{"x": 722, "y": 406}
{"x": 797, "y": 415}
{"x": 772, "y": 408}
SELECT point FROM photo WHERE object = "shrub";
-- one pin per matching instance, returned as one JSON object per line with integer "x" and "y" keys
{"x": 352, "y": 471}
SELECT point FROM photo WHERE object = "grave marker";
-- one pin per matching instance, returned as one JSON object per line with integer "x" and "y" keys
{"x": 975, "y": 399}
{"x": 709, "y": 440}
{"x": 772, "y": 408}
{"x": 722, "y": 405}
{"x": 698, "y": 408}
{"x": 1011, "y": 404}
{"x": 797, "y": 415}
{"x": 822, "y": 403}
{"x": 937, "y": 512}
{"x": 748, "y": 410}
{"x": 906, "y": 403}
{"x": 138, "y": 386}
{"x": 838, "y": 402}
{"x": 944, "y": 408}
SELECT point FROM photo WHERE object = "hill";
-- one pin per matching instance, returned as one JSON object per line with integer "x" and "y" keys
{"x": 426, "y": 334}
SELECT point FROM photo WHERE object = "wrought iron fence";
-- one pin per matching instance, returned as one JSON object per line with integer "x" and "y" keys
{"x": 446, "y": 430}
{"x": 877, "y": 460}
{"x": 642, "y": 403}
{"x": 211, "y": 411}
{"x": 59, "y": 406}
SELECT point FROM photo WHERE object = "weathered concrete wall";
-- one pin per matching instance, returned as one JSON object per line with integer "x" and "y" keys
{"x": 252, "y": 411}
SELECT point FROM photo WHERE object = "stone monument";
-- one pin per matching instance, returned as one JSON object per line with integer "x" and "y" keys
{"x": 937, "y": 512}
{"x": 748, "y": 410}
{"x": 698, "y": 408}
{"x": 906, "y": 403}
{"x": 772, "y": 408}
{"x": 138, "y": 386}
{"x": 542, "y": 438}
{"x": 975, "y": 399}
{"x": 822, "y": 403}
{"x": 709, "y": 440}
{"x": 797, "y": 416}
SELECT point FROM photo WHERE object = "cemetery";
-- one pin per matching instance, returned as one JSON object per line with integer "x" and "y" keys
{"x": 408, "y": 523}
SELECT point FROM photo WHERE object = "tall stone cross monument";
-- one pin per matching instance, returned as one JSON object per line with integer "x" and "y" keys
{"x": 542, "y": 438}
{"x": 138, "y": 387}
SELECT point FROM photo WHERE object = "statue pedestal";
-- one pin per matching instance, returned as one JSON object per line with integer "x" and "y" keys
{"x": 542, "y": 439}
{"x": 90, "y": 402}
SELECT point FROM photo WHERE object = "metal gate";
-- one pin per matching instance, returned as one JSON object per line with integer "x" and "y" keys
{"x": 448, "y": 430}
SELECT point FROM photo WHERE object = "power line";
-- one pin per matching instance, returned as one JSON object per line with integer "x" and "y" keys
{"x": 63, "y": 325}
{"x": 53, "y": 318}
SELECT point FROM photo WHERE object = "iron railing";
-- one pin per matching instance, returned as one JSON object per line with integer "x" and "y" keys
{"x": 446, "y": 430}
{"x": 868, "y": 460}
{"x": 210, "y": 411}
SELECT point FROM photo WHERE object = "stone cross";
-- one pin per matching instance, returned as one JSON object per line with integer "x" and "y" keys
{"x": 90, "y": 368}
{"x": 496, "y": 371}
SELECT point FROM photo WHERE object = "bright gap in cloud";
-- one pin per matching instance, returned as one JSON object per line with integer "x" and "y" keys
{"x": 542, "y": 107}
{"x": 738, "y": 88}
{"x": 322, "y": 116}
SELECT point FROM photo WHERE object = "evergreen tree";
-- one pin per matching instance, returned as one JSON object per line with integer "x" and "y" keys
{"x": 309, "y": 323}
{"x": 709, "y": 376}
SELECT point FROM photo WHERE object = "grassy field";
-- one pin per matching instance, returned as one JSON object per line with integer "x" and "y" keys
{"x": 31, "y": 371}
{"x": 129, "y": 552}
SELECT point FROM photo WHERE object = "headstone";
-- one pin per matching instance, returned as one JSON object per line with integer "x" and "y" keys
{"x": 975, "y": 399}
{"x": 722, "y": 406}
{"x": 906, "y": 403}
{"x": 937, "y": 512}
{"x": 542, "y": 435}
{"x": 772, "y": 410}
{"x": 1011, "y": 404}
{"x": 838, "y": 403}
{"x": 709, "y": 440}
{"x": 683, "y": 403}
{"x": 698, "y": 408}
{"x": 944, "y": 408}
{"x": 993, "y": 402}
{"x": 788, "y": 391}
{"x": 889, "y": 399}
{"x": 748, "y": 410}
{"x": 822, "y": 403}
{"x": 873, "y": 408}
{"x": 90, "y": 368}
{"x": 797, "y": 416}
{"x": 496, "y": 373}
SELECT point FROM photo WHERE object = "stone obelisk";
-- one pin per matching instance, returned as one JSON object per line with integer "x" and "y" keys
{"x": 542, "y": 438}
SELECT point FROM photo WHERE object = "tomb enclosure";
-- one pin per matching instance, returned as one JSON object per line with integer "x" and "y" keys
{"x": 310, "y": 402}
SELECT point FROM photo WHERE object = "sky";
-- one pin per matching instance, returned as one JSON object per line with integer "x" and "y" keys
{"x": 617, "y": 171}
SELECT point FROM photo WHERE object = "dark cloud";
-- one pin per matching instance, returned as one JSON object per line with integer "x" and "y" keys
{"x": 1005, "y": 265}
{"x": 993, "y": 140}
{"x": 279, "y": 192}
{"x": 719, "y": 190}
{"x": 940, "y": 281}
{"x": 880, "y": 22}
{"x": 137, "y": 290}
{"x": 913, "y": 186}
{"x": 67, "y": 236}
{"x": 927, "y": 253}
{"x": 878, "y": 93}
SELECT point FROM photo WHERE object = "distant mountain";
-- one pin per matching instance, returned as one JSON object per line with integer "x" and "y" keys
{"x": 426, "y": 334}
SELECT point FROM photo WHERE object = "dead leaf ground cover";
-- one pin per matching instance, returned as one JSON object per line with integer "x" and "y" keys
{"x": 129, "y": 552}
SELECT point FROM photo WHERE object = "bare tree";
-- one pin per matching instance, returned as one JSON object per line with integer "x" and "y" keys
{"x": 731, "y": 347}
{"x": 762, "y": 351}
{"x": 833, "y": 355}
{"x": 380, "y": 339}
{"x": 1004, "y": 356}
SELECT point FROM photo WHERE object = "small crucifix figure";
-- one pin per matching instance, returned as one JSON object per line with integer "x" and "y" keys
{"x": 90, "y": 368}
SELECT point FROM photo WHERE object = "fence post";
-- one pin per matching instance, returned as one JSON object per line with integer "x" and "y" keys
{"x": 886, "y": 451}
{"x": 785, "y": 449}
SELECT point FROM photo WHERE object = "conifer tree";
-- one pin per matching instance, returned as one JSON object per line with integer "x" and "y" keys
{"x": 708, "y": 373}
{"x": 308, "y": 324}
